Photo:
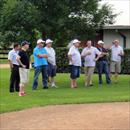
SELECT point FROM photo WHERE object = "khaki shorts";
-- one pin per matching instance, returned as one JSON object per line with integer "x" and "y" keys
{"x": 88, "y": 70}
{"x": 24, "y": 75}
{"x": 115, "y": 66}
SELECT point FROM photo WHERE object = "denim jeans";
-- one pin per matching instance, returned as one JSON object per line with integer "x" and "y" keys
{"x": 103, "y": 67}
{"x": 40, "y": 69}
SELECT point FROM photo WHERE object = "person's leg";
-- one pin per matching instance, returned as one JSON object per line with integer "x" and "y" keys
{"x": 73, "y": 76}
{"x": 49, "y": 72}
{"x": 17, "y": 79}
{"x": 53, "y": 74}
{"x": 72, "y": 83}
{"x": 44, "y": 76}
{"x": 36, "y": 75}
{"x": 86, "y": 74}
{"x": 24, "y": 76}
{"x": 117, "y": 71}
{"x": 112, "y": 70}
{"x": 106, "y": 70}
{"x": 89, "y": 77}
{"x": 100, "y": 70}
{"x": 12, "y": 80}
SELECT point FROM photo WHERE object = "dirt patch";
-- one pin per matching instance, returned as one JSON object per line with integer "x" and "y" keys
{"x": 4, "y": 66}
{"x": 105, "y": 116}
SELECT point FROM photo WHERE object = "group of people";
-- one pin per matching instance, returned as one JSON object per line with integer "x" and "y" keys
{"x": 45, "y": 63}
{"x": 91, "y": 55}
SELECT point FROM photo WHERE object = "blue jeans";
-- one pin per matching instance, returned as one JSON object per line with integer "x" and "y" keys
{"x": 103, "y": 67}
{"x": 40, "y": 69}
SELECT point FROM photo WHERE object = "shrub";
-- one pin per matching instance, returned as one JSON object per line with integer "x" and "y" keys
{"x": 62, "y": 61}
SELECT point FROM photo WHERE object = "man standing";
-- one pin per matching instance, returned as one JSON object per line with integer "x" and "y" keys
{"x": 51, "y": 62}
{"x": 102, "y": 64}
{"x": 74, "y": 62}
{"x": 23, "y": 60}
{"x": 40, "y": 64}
{"x": 14, "y": 66}
{"x": 89, "y": 53}
{"x": 116, "y": 54}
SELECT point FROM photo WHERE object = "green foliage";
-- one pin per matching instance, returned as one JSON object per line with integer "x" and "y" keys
{"x": 126, "y": 62}
{"x": 63, "y": 94}
{"x": 17, "y": 21}
{"x": 60, "y": 20}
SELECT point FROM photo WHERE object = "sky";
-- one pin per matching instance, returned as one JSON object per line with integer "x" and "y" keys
{"x": 121, "y": 7}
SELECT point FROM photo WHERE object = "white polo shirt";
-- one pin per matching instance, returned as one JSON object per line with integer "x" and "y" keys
{"x": 51, "y": 55}
{"x": 115, "y": 51}
{"x": 12, "y": 56}
{"x": 90, "y": 59}
{"x": 76, "y": 57}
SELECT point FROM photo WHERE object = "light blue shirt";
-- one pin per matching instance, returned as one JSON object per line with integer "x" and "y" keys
{"x": 12, "y": 56}
{"x": 39, "y": 61}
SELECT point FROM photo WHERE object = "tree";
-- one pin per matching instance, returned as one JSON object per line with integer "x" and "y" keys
{"x": 18, "y": 21}
{"x": 61, "y": 20}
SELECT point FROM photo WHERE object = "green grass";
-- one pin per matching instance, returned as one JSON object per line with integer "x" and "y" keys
{"x": 63, "y": 95}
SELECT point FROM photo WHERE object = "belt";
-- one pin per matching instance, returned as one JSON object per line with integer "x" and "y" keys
{"x": 15, "y": 65}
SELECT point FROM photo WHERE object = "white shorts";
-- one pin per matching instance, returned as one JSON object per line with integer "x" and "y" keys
{"x": 115, "y": 66}
{"x": 24, "y": 75}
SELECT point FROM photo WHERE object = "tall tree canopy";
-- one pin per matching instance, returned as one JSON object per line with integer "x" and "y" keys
{"x": 60, "y": 20}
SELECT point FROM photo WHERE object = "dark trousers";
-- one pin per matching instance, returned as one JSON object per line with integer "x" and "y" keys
{"x": 14, "y": 79}
{"x": 40, "y": 69}
{"x": 103, "y": 67}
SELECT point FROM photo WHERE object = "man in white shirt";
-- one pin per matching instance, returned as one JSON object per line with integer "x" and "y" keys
{"x": 51, "y": 62}
{"x": 14, "y": 66}
{"x": 116, "y": 54}
{"x": 74, "y": 62}
{"x": 89, "y": 54}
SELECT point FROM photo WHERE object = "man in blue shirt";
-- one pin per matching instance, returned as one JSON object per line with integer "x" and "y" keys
{"x": 40, "y": 64}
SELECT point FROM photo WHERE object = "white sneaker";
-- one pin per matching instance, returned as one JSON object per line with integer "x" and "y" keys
{"x": 53, "y": 85}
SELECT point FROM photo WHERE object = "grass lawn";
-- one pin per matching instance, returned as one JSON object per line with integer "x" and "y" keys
{"x": 64, "y": 94}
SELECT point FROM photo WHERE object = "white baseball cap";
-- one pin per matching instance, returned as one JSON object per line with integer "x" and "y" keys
{"x": 100, "y": 42}
{"x": 40, "y": 41}
{"x": 48, "y": 41}
{"x": 76, "y": 41}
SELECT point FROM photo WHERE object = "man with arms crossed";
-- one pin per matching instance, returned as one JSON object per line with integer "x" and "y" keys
{"x": 40, "y": 64}
{"x": 51, "y": 62}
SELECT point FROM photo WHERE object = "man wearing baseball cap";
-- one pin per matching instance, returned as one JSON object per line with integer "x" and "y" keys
{"x": 102, "y": 64}
{"x": 51, "y": 62}
{"x": 23, "y": 60}
{"x": 40, "y": 64}
{"x": 74, "y": 62}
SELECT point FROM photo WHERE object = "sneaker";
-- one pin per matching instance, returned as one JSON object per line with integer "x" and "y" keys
{"x": 21, "y": 94}
{"x": 53, "y": 85}
{"x": 45, "y": 87}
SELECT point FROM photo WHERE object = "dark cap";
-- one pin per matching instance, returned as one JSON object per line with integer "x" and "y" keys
{"x": 24, "y": 43}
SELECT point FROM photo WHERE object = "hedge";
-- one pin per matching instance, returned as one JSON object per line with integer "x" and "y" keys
{"x": 62, "y": 61}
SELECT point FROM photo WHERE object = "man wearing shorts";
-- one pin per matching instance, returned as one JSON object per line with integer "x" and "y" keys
{"x": 23, "y": 60}
{"x": 74, "y": 62}
{"x": 51, "y": 62}
{"x": 89, "y": 54}
{"x": 14, "y": 66}
{"x": 116, "y": 54}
